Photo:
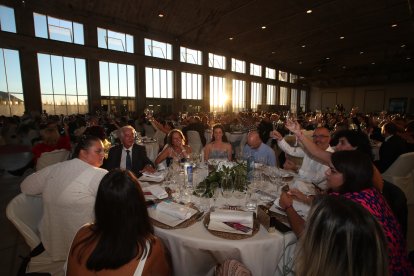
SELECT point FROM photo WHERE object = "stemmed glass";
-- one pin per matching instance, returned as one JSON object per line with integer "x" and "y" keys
{"x": 200, "y": 190}
{"x": 215, "y": 192}
{"x": 240, "y": 188}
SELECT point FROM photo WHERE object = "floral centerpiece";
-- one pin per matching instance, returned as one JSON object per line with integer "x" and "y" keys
{"x": 224, "y": 168}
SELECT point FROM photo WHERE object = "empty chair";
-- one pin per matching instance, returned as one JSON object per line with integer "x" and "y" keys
{"x": 25, "y": 213}
{"x": 401, "y": 174}
{"x": 52, "y": 157}
{"x": 401, "y": 167}
{"x": 194, "y": 141}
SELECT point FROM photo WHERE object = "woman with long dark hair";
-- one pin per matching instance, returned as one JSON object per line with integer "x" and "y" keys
{"x": 121, "y": 241}
{"x": 218, "y": 148}
{"x": 350, "y": 176}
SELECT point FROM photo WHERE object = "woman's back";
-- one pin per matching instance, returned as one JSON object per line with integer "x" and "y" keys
{"x": 155, "y": 264}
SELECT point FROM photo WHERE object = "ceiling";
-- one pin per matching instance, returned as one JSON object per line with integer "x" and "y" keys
{"x": 372, "y": 50}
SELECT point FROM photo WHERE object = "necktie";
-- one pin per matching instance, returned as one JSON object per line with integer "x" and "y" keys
{"x": 128, "y": 163}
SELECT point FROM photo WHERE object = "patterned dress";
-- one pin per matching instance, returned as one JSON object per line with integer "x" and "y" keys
{"x": 373, "y": 201}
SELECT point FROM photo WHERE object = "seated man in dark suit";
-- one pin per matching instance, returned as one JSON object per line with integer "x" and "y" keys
{"x": 128, "y": 155}
{"x": 392, "y": 147}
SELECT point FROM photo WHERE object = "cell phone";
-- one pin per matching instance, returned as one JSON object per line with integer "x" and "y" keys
{"x": 238, "y": 226}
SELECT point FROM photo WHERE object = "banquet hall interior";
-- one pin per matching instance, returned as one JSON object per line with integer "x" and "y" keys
{"x": 196, "y": 57}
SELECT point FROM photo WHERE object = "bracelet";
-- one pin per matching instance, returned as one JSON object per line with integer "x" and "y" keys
{"x": 287, "y": 207}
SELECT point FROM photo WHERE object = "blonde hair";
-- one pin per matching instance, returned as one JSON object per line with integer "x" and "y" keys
{"x": 341, "y": 238}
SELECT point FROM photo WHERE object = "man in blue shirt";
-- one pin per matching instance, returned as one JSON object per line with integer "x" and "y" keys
{"x": 261, "y": 152}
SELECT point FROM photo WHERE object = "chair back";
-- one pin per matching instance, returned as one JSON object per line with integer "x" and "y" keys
{"x": 401, "y": 167}
{"x": 194, "y": 141}
{"x": 25, "y": 213}
{"x": 52, "y": 157}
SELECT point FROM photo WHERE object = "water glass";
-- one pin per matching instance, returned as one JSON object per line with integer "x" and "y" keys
{"x": 251, "y": 201}
{"x": 227, "y": 186}
{"x": 240, "y": 188}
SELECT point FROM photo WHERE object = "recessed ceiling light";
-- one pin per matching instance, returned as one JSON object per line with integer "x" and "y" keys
{"x": 303, "y": 46}
{"x": 408, "y": 58}
{"x": 300, "y": 62}
{"x": 273, "y": 52}
{"x": 263, "y": 27}
{"x": 327, "y": 58}
{"x": 394, "y": 25}
{"x": 160, "y": 15}
{"x": 231, "y": 38}
{"x": 361, "y": 52}
{"x": 402, "y": 46}
{"x": 341, "y": 37}
{"x": 309, "y": 11}
{"x": 319, "y": 70}
{"x": 373, "y": 63}
{"x": 344, "y": 67}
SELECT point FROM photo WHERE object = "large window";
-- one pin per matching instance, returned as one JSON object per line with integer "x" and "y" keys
{"x": 293, "y": 78}
{"x": 283, "y": 76}
{"x": 271, "y": 94}
{"x": 256, "y": 89}
{"x": 239, "y": 95}
{"x": 58, "y": 29}
{"x": 303, "y": 100}
{"x": 216, "y": 61}
{"x": 157, "y": 49}
{"x": 11, "y": 91}
{"x": 190, "y": 56}
{"x": 63, "y": 84}
{"x": 159, "y": 83}
{"x": 191, "y": 86}
{"x": 218, "y": 97}
{"x": 7, "y": 21}
{"x": 117, "y": 80}
{"x": 293, "y": 100}
{"x": 270, "y": 73}
{"x": 238, "y": 66}
{"x": 283, "y": 100}
{"x": 255, "y": 70}
{"x": 111, "y": 40}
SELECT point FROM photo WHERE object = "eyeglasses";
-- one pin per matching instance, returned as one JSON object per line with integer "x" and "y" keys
{"x": 319, "y": 136}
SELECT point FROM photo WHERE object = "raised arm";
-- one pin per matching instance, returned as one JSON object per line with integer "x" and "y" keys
{"x": 320, "y": 154}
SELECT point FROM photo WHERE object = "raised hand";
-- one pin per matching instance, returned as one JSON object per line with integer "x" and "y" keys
{"x": 293, "y": 126}
{"x": 276, "y": 135}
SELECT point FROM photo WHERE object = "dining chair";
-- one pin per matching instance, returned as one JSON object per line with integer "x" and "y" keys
{"x": 25, "y": 213}
{"x": 51, "y": 157}
{"x": 194, "y": 141}
{"x": 402, "y": 166}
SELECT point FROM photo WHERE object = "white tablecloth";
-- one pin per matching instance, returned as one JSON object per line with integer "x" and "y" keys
{"x": 195, "y": 251}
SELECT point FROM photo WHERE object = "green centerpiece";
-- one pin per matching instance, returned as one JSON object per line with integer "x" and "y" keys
{"x": 222, "y": 169}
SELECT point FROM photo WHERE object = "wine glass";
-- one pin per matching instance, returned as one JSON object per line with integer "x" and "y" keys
{"x": 215, "y": 192}
{"x": 240, "y": 188}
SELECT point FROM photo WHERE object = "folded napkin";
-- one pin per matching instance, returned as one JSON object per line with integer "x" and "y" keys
{"x": 218, "y": 217}
{"x": 156, "y": 190}
{"x": 154, "y": 177}
{"x": 175, "y": 210}
{"x": 241, "y": 217}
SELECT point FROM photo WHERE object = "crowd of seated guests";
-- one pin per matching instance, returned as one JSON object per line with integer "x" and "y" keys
{"x": 89, "y": 154}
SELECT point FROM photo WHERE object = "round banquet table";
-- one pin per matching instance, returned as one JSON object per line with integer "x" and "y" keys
{"x": 195, "y": 251}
